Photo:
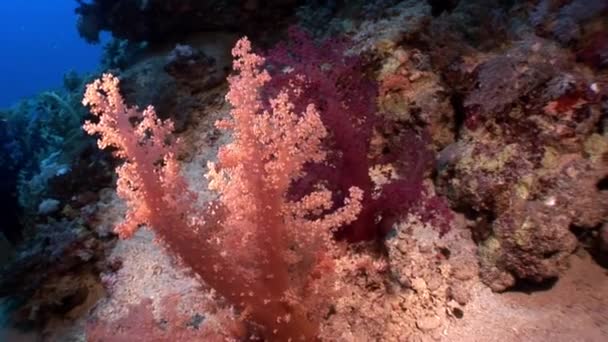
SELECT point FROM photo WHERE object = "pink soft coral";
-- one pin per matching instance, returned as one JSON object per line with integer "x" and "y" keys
{"x": 150, "y": 170}
{"x": 255, "y": 246}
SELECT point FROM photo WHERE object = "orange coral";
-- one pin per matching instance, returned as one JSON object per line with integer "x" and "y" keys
{"x": 149, "y": 170}
{"x": 254, "y": 172}
{"x": 254, "y": 247}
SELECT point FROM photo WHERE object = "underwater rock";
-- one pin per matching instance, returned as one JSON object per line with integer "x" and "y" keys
{"x": 531, "y": 241}
{"x": 578, "y": 195}
{"x": 48, "y": 206}
{"x": 407, "y": 18}
{"x": 162, "y": 20}
{"x": 460, "y": 293}
{"x": 412, "y": 92}
{"x": 501, "y": 80}
{"x": 428, "y": 323}
{"x": 6, "y": 250}
{"x": 59, "y": 246}
{"x": 566, "y": 21}
{"x": 531, "y": 137}
{"x": 146, "y": 82}
{"x": 175, "y": 83}
{"x": 56, "y": 297}
{"x": 193, "y": 69}
{"x": 72, "y": 81}
{"x": 121, "y": 53}
{"x": 54, "y": 272}
{"x": 440, "y": 6}
{"x": 90, "y": 173}
{"x": 594, "y": 52}
{"x": 479, "y": 175}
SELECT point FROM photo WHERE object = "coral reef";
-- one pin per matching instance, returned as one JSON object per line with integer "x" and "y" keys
{"x": 49, "y": 267}
{"x": 531, "y": 114}
{"x": 53, "y": 273}
{"x": 45, "y": 138}
{"x": 384, "y": 170}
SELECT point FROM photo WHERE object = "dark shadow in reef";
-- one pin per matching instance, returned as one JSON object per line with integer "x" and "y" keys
{"x": 588, "y": 238}
{"x": 600, "y": 257}
{"x": 529, "y": 286}
{"x": 10, "y": 227}
{"x": 457, "y": 102}
{"x": 440, "y": 6}
{"x": 602, "y": 185}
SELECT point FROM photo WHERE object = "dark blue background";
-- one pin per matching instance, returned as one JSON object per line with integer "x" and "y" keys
{"x": 38, "y": 44}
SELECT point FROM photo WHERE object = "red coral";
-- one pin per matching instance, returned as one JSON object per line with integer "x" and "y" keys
{"x": 435, "y": 209}
{"x": 565, "y": 104}
{"x": 335, "y": 81}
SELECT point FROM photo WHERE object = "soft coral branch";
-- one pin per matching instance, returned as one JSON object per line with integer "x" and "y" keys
{"x": 145, "y": 144}
{"x": 253, "y": 178}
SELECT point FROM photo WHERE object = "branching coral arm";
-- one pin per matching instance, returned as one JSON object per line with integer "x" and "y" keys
{"x": 253, "y": 175}
{"x": 149, "y": 180}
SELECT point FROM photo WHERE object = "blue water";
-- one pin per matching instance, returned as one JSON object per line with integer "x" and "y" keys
{"x": 38, "y": 44}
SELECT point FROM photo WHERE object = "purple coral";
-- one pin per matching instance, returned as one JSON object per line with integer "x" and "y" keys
{"x": 326, "y": 75}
